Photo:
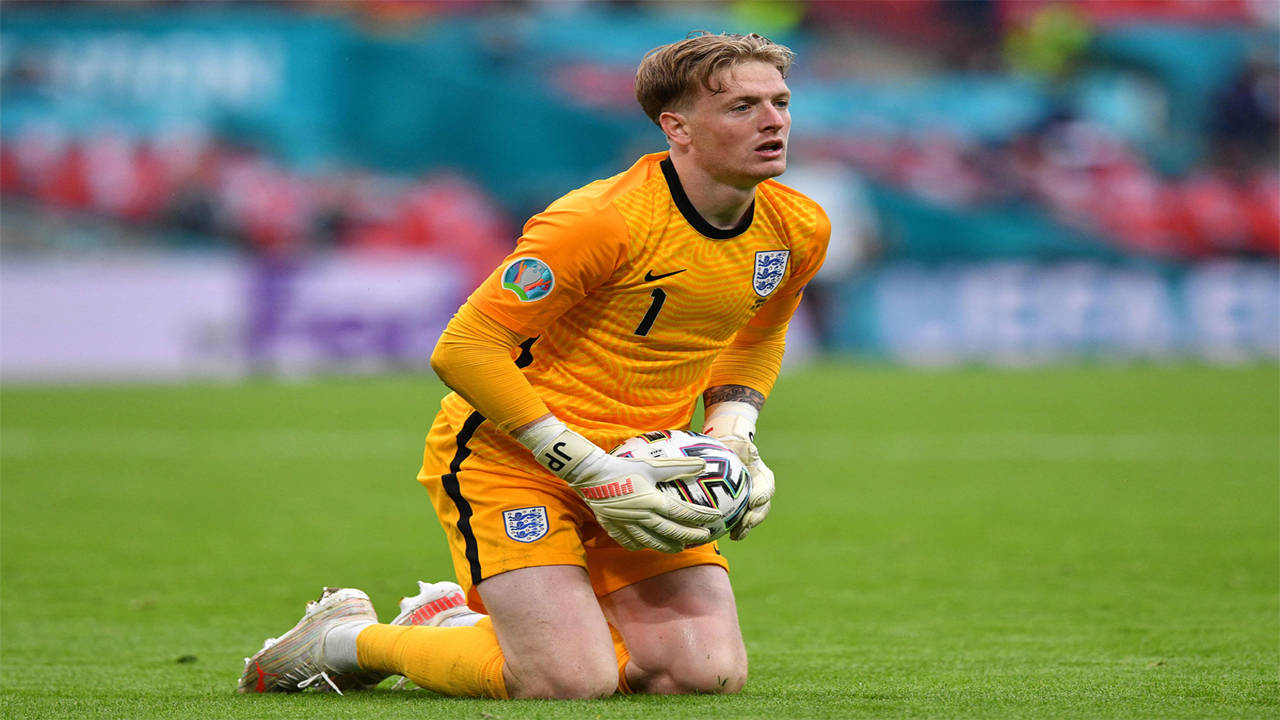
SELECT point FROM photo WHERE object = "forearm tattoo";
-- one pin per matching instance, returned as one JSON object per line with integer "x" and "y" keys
{"x": 732, "y": 393}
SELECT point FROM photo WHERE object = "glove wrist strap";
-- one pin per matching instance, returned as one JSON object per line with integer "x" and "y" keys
{"x": 557, "y": 448}
{"x": 727, "y": 417}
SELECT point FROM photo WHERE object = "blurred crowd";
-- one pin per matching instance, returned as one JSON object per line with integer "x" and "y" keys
{"x": 1084, "y": 174}
{"x": 1088, "y": 179}
{"x": 192, "y": 187}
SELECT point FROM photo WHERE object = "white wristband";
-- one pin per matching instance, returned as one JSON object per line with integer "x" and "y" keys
{"x": 731, "y": 408}
{"x": 540, "y": 432}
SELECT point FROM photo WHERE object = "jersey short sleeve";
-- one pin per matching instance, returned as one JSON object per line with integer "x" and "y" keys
{"x": 808, "y": 256}
{"x": 562, "y": 254}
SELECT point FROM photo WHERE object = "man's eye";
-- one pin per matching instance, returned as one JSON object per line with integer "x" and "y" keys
{"x": 783, "y": 104}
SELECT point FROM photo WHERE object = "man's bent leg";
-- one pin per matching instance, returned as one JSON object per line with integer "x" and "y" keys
{"x": 551, "y": 641}
{"x": 552, "y": 631}
{"x": 461, "y": 661}
{"x": 681, "y": 629}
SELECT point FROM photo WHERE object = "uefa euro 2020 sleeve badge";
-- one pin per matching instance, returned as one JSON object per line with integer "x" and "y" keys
{"x": 529, "y": 279}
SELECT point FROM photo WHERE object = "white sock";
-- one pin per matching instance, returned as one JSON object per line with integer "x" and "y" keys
{"x": 340, "y": 646}
{"x": 462, "y": 620}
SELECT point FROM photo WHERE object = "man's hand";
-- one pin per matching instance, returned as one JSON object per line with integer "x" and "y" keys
{"x": 622, "y": 492}
{"x": 734, "y": 424}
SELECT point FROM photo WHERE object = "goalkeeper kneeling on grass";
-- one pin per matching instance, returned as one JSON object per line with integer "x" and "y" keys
{"x": 622, "y": 303}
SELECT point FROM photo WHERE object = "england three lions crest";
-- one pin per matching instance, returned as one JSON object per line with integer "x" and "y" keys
{"x": 771, "y": 265}
{"x": 526, "y": 524}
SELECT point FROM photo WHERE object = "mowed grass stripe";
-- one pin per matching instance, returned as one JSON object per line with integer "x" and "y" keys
{"x": 1043, "y": 446}
{"x": 918, "y": 447}
{"x": 170, "y": 443}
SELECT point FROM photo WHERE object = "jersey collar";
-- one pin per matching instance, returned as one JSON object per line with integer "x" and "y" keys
{"x": 691, "y": 214}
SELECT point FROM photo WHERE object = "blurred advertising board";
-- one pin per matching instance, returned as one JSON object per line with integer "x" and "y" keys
{"x": 248, "y": 71}
{"x": 181, "y": 317}
{"x": 1025, "y": 313}
{"x": 175, "y": 317}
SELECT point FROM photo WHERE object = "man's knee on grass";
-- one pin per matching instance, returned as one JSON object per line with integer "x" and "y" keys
{"x": 719, "y": 673}
{"x": 550, "y": 682}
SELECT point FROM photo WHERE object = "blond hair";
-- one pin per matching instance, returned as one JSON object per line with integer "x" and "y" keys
{"x": 669, "y": 74}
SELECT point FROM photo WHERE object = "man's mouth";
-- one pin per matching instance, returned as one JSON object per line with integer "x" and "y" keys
{"x": 772, "y": 148}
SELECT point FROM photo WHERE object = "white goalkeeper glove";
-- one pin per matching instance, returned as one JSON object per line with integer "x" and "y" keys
{"x": 621, "y": 491}
{"x": 734, "y": 424}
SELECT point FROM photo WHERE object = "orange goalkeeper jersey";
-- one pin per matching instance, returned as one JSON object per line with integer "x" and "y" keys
{"x": 631, "y": 295}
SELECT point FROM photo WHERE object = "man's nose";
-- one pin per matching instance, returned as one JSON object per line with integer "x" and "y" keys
{"x": 772, "y": 118}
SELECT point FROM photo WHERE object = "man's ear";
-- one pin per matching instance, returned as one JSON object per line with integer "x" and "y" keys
{"x": 676, "y": 127}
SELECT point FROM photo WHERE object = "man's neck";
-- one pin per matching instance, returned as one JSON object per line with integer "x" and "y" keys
{"x": 719, "y": 204}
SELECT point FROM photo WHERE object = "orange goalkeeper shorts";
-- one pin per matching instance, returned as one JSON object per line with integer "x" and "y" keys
{"x": 501, "y": 511}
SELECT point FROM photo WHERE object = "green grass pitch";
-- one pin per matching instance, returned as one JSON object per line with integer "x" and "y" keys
{"x": 1051, "y": 543}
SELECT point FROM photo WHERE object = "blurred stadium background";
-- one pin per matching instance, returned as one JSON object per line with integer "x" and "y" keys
{"x": 221, "y": 189}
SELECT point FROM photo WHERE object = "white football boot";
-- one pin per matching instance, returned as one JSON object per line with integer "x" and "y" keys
{"x": 295, "y": 661}
{"x": 435, "y": 604}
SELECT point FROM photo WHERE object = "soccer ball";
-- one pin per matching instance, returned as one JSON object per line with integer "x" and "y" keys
{"x": 724, "y": 485}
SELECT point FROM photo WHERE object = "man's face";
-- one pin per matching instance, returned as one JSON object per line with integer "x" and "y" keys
{"x": 739, "y": 135}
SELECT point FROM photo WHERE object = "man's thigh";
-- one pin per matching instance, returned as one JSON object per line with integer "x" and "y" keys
{"x": 498, "y": 518}
{"x": 553, "y": 635}
{"x": 682, "y": 631}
